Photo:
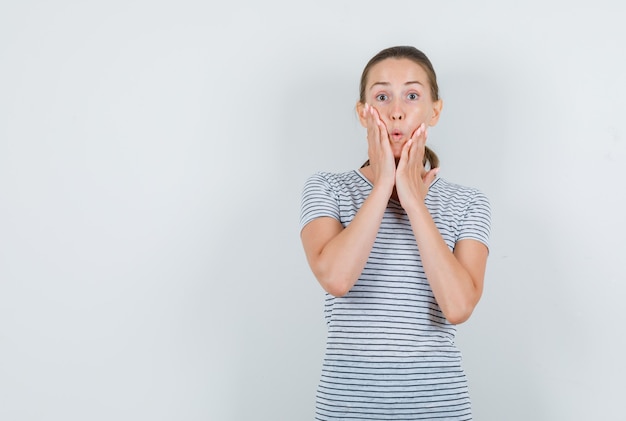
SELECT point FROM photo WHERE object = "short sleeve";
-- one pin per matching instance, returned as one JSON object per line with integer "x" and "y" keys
{"x": 476, "y": 224}
{"x": 318, "y": 200}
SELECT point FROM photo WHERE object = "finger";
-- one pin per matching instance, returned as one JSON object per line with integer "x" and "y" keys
{"x": 371, "y": 123}
{"x": 404, "y": 155}
{"x": 430, "y": 176}
{"x": 375, "y": 120}
{"x": 383, "y": 134}
{"x": 417, "y": 152}
{"x": 379, "y": 122}
{"x": 373, "y": 131}
{"x": 422, "y": 135}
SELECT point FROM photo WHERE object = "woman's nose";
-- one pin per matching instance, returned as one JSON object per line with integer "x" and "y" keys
{"x": 396, "y": 112}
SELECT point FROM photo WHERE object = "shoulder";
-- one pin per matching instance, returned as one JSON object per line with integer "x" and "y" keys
{"x": 334, "y": 180}
{"x": 323, "y": 194}
{"x": 464, "y": 211}
{"x": 457, "y": 198}
{"x": 445, "y": 188}
{"x": 334, "y": 176}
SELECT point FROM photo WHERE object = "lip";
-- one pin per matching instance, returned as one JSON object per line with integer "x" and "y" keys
{"x": 396, "y": 134}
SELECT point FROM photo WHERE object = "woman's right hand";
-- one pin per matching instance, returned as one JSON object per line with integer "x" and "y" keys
{"x": 382, "y": 162}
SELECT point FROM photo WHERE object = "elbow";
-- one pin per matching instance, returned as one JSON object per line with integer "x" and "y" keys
{"x": 336, "y": 284}
{"x": 458, "y": 317}
{"x": 459, "y": 308}
{"x": 336, "y": 288}
{"x": 335, "y": 281}
{"x": 458, "y": 314}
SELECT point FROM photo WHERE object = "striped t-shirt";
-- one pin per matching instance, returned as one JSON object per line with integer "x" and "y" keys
{"x": 390, "y": 352}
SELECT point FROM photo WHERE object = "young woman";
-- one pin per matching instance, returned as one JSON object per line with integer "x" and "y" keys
{"x": 401, "y": 254}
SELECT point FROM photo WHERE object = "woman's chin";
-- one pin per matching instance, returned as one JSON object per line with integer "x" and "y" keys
{"x": 397, "y": 151}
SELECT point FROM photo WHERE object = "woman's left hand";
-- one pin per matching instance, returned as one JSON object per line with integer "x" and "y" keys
{"x": 412, "y": 179}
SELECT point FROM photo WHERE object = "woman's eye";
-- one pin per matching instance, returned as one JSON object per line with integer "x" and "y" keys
{"x": 381, "y": 97}
{"x": 412, "y": 96}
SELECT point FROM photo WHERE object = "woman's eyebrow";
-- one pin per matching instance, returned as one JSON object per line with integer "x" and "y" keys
{"x": 411, "y": 82}
{"x": 379, "y": 83}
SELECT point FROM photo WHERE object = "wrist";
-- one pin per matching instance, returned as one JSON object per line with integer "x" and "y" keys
{"x": 415, "y": 207}
{"x": 383, "y": 189}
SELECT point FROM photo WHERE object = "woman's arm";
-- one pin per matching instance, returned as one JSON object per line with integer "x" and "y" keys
{"x": 456, "y": 278}
{"x": 338, "y": 255}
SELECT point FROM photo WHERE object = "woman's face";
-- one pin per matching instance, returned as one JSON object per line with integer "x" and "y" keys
{"x": 400, "y": 91}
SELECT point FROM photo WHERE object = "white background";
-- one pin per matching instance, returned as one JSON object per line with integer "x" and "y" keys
{"x": 152, "y": 155}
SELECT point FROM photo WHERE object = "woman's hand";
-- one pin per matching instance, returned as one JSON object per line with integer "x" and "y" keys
{"x": 412, "y": 179}
{"x": 379, "y": 151}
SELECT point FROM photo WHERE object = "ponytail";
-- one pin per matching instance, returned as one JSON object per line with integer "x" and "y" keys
{"x": 430, "y": 158}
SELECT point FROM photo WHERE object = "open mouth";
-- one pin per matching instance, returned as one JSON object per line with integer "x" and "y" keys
{"x": 396, "y": 134}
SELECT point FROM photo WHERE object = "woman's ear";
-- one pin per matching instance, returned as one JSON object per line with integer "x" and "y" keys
{"x": 437, "y": 107}
{"x": 359, "y": 110}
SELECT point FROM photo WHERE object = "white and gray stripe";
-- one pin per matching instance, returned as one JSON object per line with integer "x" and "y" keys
{"x": 390, "y": 352}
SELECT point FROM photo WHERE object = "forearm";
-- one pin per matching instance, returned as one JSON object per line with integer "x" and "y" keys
{"x": 453, "y": 287}
{"x": 343, "y": 258}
